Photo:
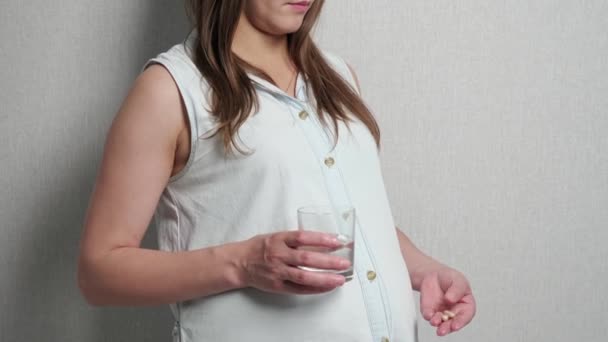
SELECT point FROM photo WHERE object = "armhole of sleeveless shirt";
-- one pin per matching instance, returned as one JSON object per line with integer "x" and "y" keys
{"x": 183, "y": 87}
{"x": 342, "y": 68}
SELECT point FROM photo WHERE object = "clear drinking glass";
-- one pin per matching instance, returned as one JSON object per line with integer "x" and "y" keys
{"x": 337, "y": 220}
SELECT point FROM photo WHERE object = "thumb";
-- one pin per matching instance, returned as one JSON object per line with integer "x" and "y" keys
{"x": 455, "y": 292}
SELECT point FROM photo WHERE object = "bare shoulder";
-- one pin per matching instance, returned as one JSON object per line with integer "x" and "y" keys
{"x": 156, "y": 97}
{"x": 137, "y": 162}
{"x": 152, "y": 109}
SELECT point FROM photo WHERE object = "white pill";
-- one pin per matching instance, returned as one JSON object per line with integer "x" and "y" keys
{"x": 449, "y": 313}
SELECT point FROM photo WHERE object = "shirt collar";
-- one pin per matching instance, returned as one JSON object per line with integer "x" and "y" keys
{"x": 300, "y": 91}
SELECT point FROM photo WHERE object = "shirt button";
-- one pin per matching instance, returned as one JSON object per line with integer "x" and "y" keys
{"x": 371, "y": 275}
{"x": 385, "y": 339}
{"x": 303, "y": 115}
{"x": 329, "y": 161}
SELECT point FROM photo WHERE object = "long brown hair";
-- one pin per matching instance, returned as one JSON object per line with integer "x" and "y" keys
{"x": 233, "y": 96}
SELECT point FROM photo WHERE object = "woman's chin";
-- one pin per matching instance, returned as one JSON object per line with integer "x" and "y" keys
{"x": 287, "y": 27}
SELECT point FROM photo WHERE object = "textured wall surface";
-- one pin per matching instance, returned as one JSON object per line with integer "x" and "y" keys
{"x": 495, "y": 151}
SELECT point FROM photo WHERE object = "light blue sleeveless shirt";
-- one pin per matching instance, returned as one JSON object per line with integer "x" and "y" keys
{"x": 217, "y": 199}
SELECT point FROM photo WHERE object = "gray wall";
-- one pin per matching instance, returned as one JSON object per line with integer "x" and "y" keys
{"x": 495, "y": 152}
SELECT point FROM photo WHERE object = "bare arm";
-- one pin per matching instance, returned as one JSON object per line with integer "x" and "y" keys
{"x": 138, "y": 160}
{"x": 137, "y": 163}
{"x": 418, "y": 263}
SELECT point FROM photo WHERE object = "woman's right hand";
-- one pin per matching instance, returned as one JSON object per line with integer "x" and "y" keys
{"x": 270, "y": 263}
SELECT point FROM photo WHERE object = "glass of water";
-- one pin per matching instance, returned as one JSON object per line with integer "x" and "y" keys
{"x": 338, "y": 220}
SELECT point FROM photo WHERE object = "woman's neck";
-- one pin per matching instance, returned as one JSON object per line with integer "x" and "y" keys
{"x": 260, "y": 49}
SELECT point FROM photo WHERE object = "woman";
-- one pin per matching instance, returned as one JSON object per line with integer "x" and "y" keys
{"x": 220, "y": 140}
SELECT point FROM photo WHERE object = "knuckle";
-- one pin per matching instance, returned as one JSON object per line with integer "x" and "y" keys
{"x": 272, "y": 256}
{"x": 276, "y": 272}
{"x": 299, "y": 236}
{"x": 272, "y": 239}
{"x": 267, "y": 241}
{"x": 300, "y": 277}
{"x": 305, "y": 258}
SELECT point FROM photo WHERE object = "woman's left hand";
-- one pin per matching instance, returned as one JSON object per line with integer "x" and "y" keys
{"x": 446, "y": 289}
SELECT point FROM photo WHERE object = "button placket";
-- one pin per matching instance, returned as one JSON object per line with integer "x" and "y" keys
{"x": 373, "y": 295}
